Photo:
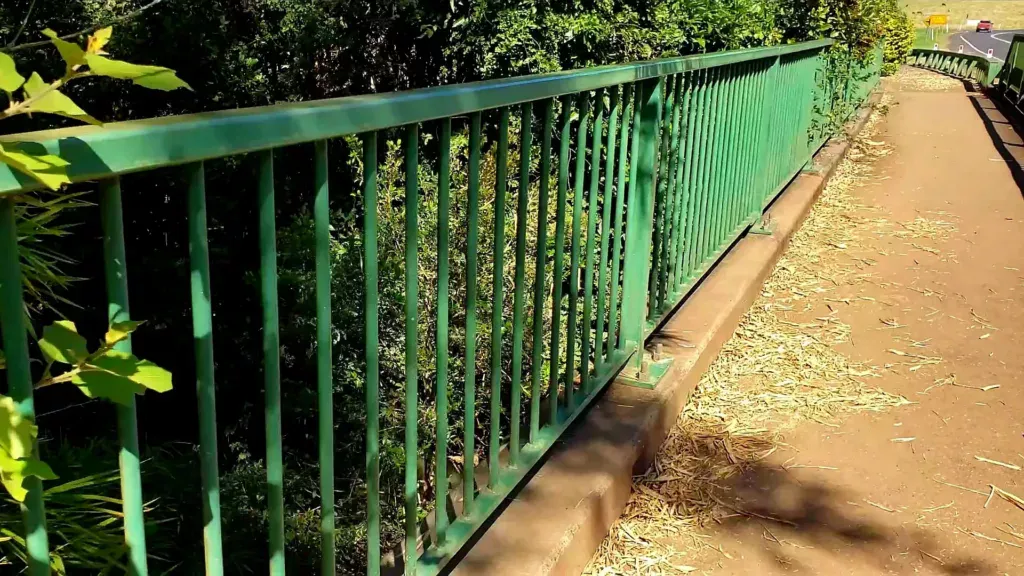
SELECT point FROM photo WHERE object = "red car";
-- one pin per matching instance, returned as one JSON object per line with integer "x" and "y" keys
{"x": 984, "y": 26}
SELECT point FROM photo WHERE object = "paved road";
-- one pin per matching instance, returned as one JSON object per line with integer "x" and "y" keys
{"x": 973, "y": 42}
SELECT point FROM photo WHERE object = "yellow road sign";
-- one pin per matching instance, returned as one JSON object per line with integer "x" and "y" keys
{"x": 938, "y": 19}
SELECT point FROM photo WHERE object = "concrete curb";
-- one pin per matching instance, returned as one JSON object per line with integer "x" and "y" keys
{"x": 560, "y": 517}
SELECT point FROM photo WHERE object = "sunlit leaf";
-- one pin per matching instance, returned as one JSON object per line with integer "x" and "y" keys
{"x": 17, "y": 433}
{"x": 98, "y": 39}
{"x": 72, "y": 53}
{"x": 51, "y": 101}
{"x": 14, "y": 472}
{"x": 10, "y": 80}
{"x": 155, "y": 77}
{"x": 121, "y": 330}
{"x": 142, "y": 372}
{"x": 62, "y": 343}
{"x": 102, "y": 384}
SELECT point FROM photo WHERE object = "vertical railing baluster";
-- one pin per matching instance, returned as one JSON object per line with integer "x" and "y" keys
{"x": 371, "y": 308}
{"x": 19, "y": 382}
{"x": 601, "y": 339}
{"x": 588, "y": 283}
{"x": 324, "y": 359}
{"x": 683, "y": 147}
{"x": 627, "y": 144}
{"x": 640, "y": 221}
{"x": 271, "y": 361}
{"x": 537, "y": 352}
{"x": 519, "y": 293}
{"x": 115, "y": 268}
{"x": 472, "y": 224}
{"x": 654, "y": 296}
{"x": 441, "y": 359}
{"x": 732, "y": 156}
{"x": 497, "y": 299}
{"x": 558, "y": 274}
{"x": 412, "y": 140}
{"x": 202, "y": 334}
{"x": 671, "y": 194}
{"x": 694, "y": 160}
{"x": 583, "y": 104}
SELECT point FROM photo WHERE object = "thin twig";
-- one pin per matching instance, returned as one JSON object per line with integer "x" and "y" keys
{"x": 88, "y": 30}
{"x": 23, "y": 23}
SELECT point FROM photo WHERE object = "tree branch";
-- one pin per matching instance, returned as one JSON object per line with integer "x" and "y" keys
{"x": 23, "y": 23}
{"x": 88, "y": 30}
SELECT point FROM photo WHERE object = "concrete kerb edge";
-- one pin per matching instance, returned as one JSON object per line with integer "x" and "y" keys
{"x": 560, "y": 517}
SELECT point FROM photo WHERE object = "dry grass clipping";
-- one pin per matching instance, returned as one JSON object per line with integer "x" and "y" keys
{"x": 774, "y": 373}
{"x": 914, "y": 79}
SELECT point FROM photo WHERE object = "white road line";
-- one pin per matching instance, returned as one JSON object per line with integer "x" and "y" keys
{"x": 975, "y": 48}
{"x": 996, "y": 37}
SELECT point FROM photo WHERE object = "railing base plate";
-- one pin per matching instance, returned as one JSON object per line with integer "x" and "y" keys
{"x": 648, "y": 378}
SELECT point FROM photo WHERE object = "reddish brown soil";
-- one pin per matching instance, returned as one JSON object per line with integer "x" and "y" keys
{"x": 825, "y": 521}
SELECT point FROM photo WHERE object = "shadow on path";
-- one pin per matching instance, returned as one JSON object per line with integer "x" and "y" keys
{"x": 1005, "y": 132}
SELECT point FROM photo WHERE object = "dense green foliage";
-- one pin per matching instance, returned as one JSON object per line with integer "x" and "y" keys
{"x": 266, "y": 51}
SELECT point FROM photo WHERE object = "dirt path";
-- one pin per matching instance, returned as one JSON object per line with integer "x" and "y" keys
{"x": 842, "y": 429}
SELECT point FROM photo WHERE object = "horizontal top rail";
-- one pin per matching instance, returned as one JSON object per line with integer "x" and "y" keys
{"x": 137, "y": 145}
{"x": 980, "y": 68}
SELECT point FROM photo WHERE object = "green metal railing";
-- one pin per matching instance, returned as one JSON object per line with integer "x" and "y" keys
{"x": 964, "y": 66}
{"x": 1011, "y": 78}
{"x": 684, "y": 155}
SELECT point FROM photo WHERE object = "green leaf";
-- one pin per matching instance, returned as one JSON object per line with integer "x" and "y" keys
{"x": 14, "y": 472}
{"x": 49, "y": 169}
{"x": 72, "y": 53}
{"x": 117, "y": 375}
{"x": 121, "y": 330}
{"x": 51, "y": 101}
{"x": 17, "y": 433}
{"x": 10, "y": 80}
{"x": 97, "y": 383}
{"x": 155, "y": 77}
{"x": 142, "y": 372}
{"x": 62, "y": 343}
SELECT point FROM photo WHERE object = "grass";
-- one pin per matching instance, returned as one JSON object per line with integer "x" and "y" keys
{"x": 924, "y": 39}
{"x": 1004, "y": 14}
